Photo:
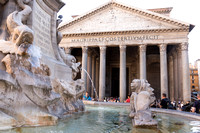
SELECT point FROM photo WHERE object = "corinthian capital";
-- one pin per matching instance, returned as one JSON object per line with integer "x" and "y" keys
{"x": 184, "y": 46}
{"x": 163, "y": 47}
{"x": 143, "y": 47}
{"x": 84, "y": 49}
{"x": 102, "y": 48}
{"x": 122, "y": 48}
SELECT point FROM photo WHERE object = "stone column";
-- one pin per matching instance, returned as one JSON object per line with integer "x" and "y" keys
{"x": 163, "y": 69}
{"x": 102, "y": 74}
{"x": 89, "y": 70}
{"x": 171, "y": 78}
{"x": 97, "y": 76}
{"x": 68, "y": 50}
{"x": 180, "y": 74}
{"x": 142, "y": 61}
{"x": 175, "y": 68}
{"x": 93, "y": 75}
{"x": 185, "y": 73}
{"x": 122, "y": 73}
{"x": 84, "y": 65}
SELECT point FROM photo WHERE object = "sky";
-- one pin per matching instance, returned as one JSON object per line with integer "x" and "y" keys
{"x": 184, "y": 10}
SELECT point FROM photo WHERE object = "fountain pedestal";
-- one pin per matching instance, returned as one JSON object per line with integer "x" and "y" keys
{"x": 36, "y": 76}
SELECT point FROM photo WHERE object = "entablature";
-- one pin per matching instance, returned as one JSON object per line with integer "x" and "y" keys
{"x": 128, "y": 38}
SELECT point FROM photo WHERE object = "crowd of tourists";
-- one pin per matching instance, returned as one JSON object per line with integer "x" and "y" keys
{"x": 116, "y": 99}
{"x": 106, "y": 99}
{"x": 112, "y": 99}
{"x": 164, "y": 103}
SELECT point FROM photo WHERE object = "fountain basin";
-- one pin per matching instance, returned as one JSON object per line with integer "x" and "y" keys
{"x": 107, "y": 118}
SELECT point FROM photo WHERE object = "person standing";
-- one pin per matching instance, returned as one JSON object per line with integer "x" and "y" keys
{"x": 87, "y": 97}
{"x": 164, "y": 102}
{"x": 127, "y": 100}
{"x": 196, "y": 105}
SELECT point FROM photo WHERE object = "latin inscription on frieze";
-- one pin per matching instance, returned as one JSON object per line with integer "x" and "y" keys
{"x": 42, "y": 30}
{"x": 119, "y": 38}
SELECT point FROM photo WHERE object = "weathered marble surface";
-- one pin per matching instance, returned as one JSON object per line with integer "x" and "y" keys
{"x": 141, "y": 98}
{"x": 36, "y": 88}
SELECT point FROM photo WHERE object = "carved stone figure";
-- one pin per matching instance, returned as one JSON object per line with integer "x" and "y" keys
{"x": 31, "y": 94}
{"x": 141, "y": 98}
{"x": 70, "y": 60}
{"x": 67, "y": 58}
{"x": 59, "y": 34}
{"x": 21, "y": 35}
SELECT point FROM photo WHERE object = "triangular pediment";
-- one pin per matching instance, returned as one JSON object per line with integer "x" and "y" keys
{"x": 115, "y": 17}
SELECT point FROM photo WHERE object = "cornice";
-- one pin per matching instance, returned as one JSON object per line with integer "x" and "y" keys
{"x": 162, "y": 10}
{"x": 55, "y": 5}
{"x": 126, "y": 32}
{"x": 146, "y": 13}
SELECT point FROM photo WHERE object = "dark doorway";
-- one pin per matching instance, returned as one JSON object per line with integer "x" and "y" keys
{"x": 115, "y": 82}
{"x": 153, "y": 77}
{"x": 127, "y": 82}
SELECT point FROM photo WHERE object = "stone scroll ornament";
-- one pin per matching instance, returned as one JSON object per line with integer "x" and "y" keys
{"x": 141, "y": 98}
{"x": 29, "y": 94}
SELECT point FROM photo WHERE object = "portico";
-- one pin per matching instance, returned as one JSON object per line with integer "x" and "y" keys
{"x": 120, "y": 43}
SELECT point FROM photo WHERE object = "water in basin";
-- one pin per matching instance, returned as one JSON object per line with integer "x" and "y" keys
{"x": 107, "y": 119}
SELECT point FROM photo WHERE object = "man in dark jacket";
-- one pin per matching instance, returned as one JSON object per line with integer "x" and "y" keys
{"x": 196, "y": 105}
{"x": 164, "y": 102}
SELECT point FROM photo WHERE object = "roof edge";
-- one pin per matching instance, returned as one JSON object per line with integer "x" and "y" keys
{"x": 167, "y": 9}
{"x": 191, "y": 27}
{"x": 145, "y": 12}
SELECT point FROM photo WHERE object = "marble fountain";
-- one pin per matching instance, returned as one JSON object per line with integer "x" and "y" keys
{"x": 38, "y": 90}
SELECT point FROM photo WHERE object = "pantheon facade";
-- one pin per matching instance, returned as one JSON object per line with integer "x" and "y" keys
{"x": 117, "y": 43}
